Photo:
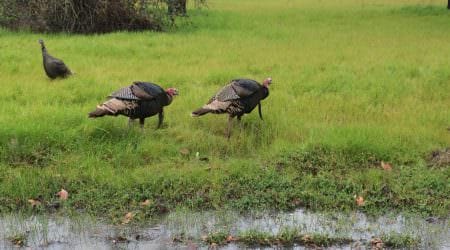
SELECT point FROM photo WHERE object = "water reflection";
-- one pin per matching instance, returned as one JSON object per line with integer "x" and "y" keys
{"x": 184, "y": 229}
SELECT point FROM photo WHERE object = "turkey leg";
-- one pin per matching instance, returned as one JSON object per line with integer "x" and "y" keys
{"x": 230, "y": 124}
{"x": 160, "y": 118}
{"x": 141, "y": 122}
{"x": 130, "y": 123}
{"x": 259, "y": 110}
{"x": 239, "y": 121}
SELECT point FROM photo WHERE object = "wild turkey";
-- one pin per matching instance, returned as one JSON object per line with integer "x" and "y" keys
{"x": 237, "y": 98}
{"x": 137, "y": 101}
{"x": 53, "y": 67}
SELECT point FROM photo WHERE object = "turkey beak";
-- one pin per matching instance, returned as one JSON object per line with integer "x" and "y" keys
{"x": 175, "y": 92}
{"x": 268, "y": 82}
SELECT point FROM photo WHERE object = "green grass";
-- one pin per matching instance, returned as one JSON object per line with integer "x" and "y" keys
{"x": 397, "y": 240}
{"x": 355, "y": 83}
{"x": 19, "y": 239}
{"x": 286, "y": 237}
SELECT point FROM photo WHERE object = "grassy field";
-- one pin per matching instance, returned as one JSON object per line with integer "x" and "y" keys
{"x": 354, "y": 83}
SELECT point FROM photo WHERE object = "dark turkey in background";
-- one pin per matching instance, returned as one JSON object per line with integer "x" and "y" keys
{"x": 53, "y": 67}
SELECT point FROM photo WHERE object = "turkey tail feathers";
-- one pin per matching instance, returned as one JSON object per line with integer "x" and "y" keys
{"x": 113, "y": 107}
{"x": 214, "y": 106}
{"x": 200, "y": 112}
{"x": 99, "y": 112}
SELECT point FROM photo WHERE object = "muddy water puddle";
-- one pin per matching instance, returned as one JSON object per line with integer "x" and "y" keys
{"x": 185, "y": 230}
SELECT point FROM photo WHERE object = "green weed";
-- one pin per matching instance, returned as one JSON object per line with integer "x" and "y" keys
{"x": 397, "y": 240}
{"x": 219, "y": 238}
{"x": 288, "y": 237}
{"x": 19, "y": 239}
{"x": 256, "y": 238}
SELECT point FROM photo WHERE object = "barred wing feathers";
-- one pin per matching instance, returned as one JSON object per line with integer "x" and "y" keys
{"x": 237, "y": 89}
{"x": 124, "y": 94}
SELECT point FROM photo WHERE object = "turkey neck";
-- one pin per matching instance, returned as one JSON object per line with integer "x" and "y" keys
{"x": 265, "y": 92}
{"x": 44, "y": 51}
{"x": 169, "y": 98}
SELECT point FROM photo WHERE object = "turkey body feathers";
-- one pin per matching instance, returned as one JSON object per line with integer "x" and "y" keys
{"x": 149, "y": 88}
{"x": 137, "y": 101}
{"x": 245, "y": 87}
{"x": 240, "y": 96}
{"x": 55, "y": 68}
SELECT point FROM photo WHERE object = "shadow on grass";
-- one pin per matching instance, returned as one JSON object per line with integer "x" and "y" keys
{"x": 423, "y": 10}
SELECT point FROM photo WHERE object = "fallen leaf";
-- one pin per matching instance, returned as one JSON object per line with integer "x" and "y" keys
{"x": 34, "y": 203}
{"x": 296, "y": 202}
{"x": 360, "y": 201}
{"x": 307, "y": 239}
{"x": 230, "y": 238}
{"x": 386, "y": 166}
{"x": 18, "y": 241}
{"x": 184, "y": 151}
{"x": 127, "y": 218}
{"x": 375, "y": 240}
{"x": 146, "y": 203}
{"x": 63, "y": 194}
{"x": 376, "y": 243}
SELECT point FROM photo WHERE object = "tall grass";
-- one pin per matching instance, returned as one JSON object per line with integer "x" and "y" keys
{"x": 368, "y": 78}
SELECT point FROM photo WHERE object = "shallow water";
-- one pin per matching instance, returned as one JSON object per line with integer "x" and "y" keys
{"x": 187, "y": 228}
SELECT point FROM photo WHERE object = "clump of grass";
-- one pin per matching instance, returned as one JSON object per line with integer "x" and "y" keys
{"x": 323, "y": 240}
{"x": 288, "y": 237}
{"x": 219, "y": 238}
{"x": 399, "y": 240}
{"x": 423, "y": 10}
{"x": 316, "y": 158}
{"x": 256, "y": 238}
{"x": 34, "y": 153}
{"x": 19, "y": 239}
